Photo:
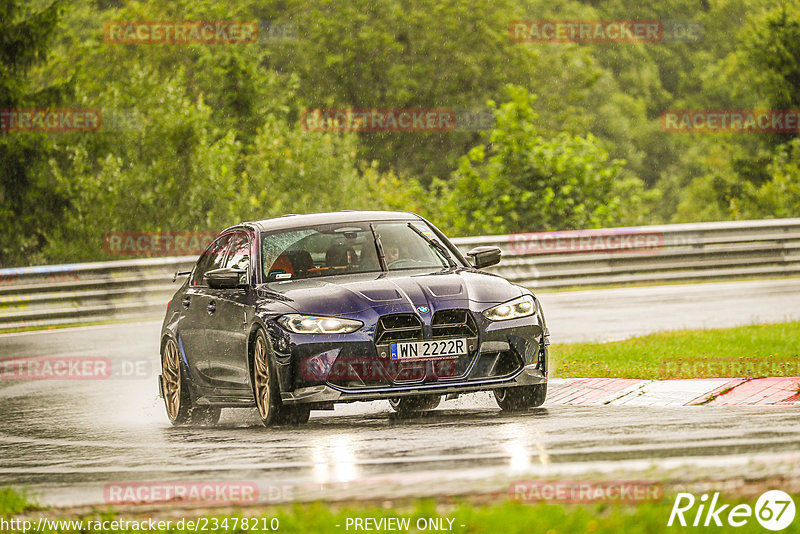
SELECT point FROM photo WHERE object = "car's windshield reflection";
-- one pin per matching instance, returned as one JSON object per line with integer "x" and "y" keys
{"x": 333, "y": 250}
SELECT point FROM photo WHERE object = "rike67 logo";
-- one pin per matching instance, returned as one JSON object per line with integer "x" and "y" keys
{"x": 774, "y": 510}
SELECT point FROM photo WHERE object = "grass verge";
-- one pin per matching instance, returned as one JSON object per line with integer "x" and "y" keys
{"x": 507, "y": 517}
{"x": 622, "y": 285}
{"x": 746, "y": 351}
{"x": 77, "y": 324}
{"x": 12, "y": 503}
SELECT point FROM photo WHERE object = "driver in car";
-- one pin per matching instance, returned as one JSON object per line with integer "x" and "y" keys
{"x": 392, "y": 253}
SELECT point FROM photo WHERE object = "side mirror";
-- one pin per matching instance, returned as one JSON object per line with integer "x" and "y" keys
{"x": 226, "y": 278}
{"x": 481, "y": 257}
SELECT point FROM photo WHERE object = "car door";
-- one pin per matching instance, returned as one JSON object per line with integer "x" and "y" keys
{"x": 195, "y": 323}
{"x": 230, "y": 319}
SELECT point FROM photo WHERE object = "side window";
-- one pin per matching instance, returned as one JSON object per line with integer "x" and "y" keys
{"x": 239, "y": 253}
{"x": 211, "y": 259}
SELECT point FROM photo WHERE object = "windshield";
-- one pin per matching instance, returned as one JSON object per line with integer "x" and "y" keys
{"x": 347, "y": 248}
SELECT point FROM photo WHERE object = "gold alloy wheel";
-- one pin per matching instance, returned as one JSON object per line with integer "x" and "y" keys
{"x": 171, "y": 368}
{"x": 261, "y": 377}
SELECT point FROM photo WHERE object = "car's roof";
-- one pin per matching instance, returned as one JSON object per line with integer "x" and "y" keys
{"x": 334, "y": 217}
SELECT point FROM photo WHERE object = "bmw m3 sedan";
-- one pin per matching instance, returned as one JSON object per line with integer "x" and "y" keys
{"x": 300, "y": 312}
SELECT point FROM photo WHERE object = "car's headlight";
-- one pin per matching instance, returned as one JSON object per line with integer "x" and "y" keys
{"x": 312, "y": 324}
{"x": 513, "y": 309}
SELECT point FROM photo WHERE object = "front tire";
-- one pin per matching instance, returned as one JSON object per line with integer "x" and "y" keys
{"x": 515, "y": 399}
{"x": 177, "y": 401}
{"x": 409, "y": 405}
{"x": 266, "y": 390}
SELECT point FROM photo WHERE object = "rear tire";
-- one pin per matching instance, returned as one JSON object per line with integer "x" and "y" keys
{"x": 515, "y": 399}
{"x": 266, "y": 390}
{"x": 180, "y": 409}
{"x": 408, "y": 405}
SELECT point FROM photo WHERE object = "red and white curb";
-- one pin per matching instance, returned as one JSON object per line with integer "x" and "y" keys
{"x": 774, "y": 391}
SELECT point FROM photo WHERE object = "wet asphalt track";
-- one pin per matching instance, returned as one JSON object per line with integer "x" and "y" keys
{"x": 65, "y": 440}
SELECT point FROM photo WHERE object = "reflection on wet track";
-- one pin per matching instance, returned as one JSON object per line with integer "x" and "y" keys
{"x": 66, "y": 440}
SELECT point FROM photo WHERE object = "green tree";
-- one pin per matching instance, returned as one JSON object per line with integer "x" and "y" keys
{"x": 450, "y": 54}
{"x": 728, "y": 176}
{"x": 773, "y": 45}
{"x": 159, "y": 166}
{"x": 526, "y": 181}
{"x": 291, "y": 170}
{"x": 29, "y": 204}
{"x": 780, "y": 196}
{"x": 196, "y": 137}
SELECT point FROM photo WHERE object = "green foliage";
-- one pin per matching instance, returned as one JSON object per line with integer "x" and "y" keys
{"x": 522, "y": 512}
{"x": 158, "y": 167}
{"x": 529, "y": 181}
{"x": 773, "y": 43}
{"x": 779, "y": 197}
{"x": 723, "y": 194}
{"x": 14, "y": 502}
{"x": 399, "y": 54}
{"x": 28, "y": 202}
{"x": 291, "y": 170}
{"x": 197, "y": 137}
{"x": 731, "y": 176}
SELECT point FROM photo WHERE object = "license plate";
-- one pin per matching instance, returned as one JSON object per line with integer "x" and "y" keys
{"x": 445, "y": 348}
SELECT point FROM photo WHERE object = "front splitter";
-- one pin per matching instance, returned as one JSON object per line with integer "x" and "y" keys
{"x": 325, "y": 393}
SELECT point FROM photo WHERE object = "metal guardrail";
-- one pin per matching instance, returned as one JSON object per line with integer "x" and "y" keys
{"x": 75, "y": 293}
{"x": 50, "y": 295}
{"x": 676, "y": 252}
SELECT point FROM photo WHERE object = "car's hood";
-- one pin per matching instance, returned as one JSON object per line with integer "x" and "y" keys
{"x": 395, "y": 292}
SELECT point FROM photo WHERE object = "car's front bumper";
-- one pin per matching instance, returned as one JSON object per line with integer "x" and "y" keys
{"x": 324, "y": 394}
{"x": 323, "y": 370}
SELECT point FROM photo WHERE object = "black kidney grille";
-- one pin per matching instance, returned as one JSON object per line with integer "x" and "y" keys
{"x": 400, "y": 327}
{"x": 453, "y": 323}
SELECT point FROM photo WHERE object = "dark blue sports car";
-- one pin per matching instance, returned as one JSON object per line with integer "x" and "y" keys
{"x": 299, "y": 312}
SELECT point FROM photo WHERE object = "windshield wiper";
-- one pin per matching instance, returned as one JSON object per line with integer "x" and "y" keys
{"x": 435, "y": 244}
{"x": 381, "y": 255}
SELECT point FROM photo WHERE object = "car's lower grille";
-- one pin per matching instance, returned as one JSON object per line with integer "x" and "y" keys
{"x": 496, "y": 365}
{"x": 400, "y": 327}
